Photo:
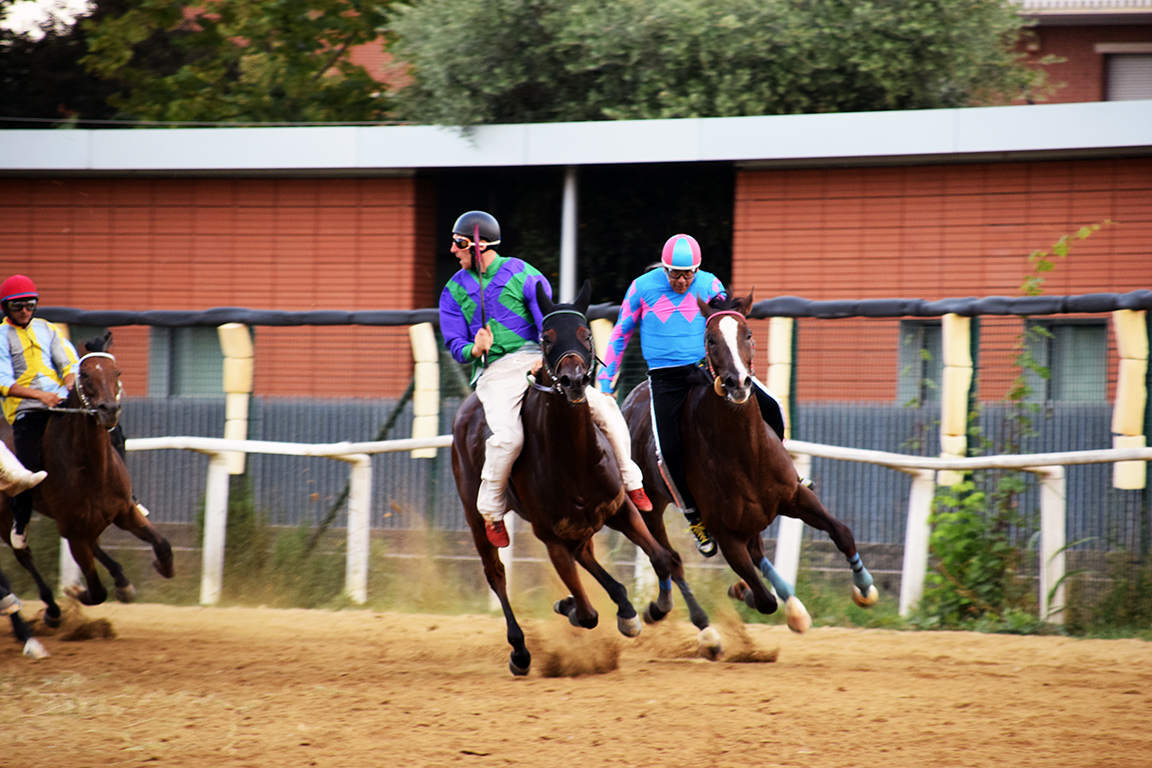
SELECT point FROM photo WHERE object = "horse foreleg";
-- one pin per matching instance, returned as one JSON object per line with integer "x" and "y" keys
{"x": 20, "y": 628}
{"x": 751, "y": 590}
{"x": 794, "y": 611}
{"x": 627, "y": 621}
{"x": 577, "y": 607}
{"x": 95, "y": 593}
{"x": 52, "y": 615}
{"x": 136, "y": 524}
{"x": 629, "y": 521}
{"x": 125, "y": 592}
{"x": 808, "y": 509}
{"x": 520, "y": 660}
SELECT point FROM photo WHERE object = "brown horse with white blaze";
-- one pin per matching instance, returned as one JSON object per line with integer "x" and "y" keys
{"x": 88, "y": 486}
{"x": 566, "y": 482}
{"x": 737, "y": 467}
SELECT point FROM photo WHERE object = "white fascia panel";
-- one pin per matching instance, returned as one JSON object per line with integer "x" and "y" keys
{"x": 217, "y": 149}
{"x": 59, "y": 150}
{"x": 1096, "y": 125}
{"x": 430, "y": 146}
{"x": 616, "y": 141}
{"x": 857, "y": 134}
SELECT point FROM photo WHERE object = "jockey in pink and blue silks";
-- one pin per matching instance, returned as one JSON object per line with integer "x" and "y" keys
{"x": 489, "y": 317}
{"x": 661, "y": 304}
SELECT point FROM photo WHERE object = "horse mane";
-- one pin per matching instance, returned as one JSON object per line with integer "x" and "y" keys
{"x": 729, "y": 302}
{"x": 99, "y": 343}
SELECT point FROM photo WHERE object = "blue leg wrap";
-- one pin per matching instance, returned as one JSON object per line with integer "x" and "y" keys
{"x": 666, "y": 585}
{"x": 860, "y": 576}
{"x": 783, "y": 588}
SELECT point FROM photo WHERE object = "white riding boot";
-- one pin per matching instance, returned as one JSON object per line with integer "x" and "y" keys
{"x": 14, "y": 478}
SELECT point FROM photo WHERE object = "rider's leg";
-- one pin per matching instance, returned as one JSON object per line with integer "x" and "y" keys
{"x": 15, "y": 477}
{"x": 606, "y": 415}
{"x": 669, "y": 392}
{"x": 773, "y": 413}
{"x": 500, "y": 389}
{"x": 28, "y": 432}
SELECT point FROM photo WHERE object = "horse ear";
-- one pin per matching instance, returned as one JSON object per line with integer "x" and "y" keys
{"x": 745, "y": 304}
{"x": 542, "y": 299}
{"x": 581, "y": 303}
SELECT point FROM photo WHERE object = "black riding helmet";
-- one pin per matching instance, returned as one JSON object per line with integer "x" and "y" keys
{"x": 489, "y": 228}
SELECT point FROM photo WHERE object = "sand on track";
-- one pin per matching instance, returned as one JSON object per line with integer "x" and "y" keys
{"x": 183, "y": 686}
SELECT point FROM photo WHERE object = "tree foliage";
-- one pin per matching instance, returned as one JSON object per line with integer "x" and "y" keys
{"x": 237, "y": 60}
{"x": 506, "y": 61}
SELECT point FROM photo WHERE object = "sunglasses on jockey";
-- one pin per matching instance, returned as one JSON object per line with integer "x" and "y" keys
{"x": 16, "y": 305}
{"x": 465, "y": 243}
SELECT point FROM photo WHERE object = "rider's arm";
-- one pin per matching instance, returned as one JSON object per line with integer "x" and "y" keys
{"x": 618, "y": 341}
{"x": 454, "y": 327}
{"x": 49, "y": 399}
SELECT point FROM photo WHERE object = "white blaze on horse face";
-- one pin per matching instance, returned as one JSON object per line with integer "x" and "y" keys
{"x": 729, "y": 330}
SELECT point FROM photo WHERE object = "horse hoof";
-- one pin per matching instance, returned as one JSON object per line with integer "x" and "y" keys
{"x": 653, "y": 614}
{"x": 629, "y": 627}
{"x": 563, "y": 607}
{"x": 797, "y": 615}
{"x": 709, "y": 644}
{"x": 126, "y": 594}
{"x": 865, "y": 601}
{"x": 52, "y": 618}
{"x": 516, "y": 669}
{"x": 738, "y": 590}
{"x": 164, "y": 569}
{"x": 34, "y": 649}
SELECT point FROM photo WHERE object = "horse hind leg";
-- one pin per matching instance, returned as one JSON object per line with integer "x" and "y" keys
{"x": 808, "y": 509}
{"x": 125, "y": 592}
{"x": 576, "y": 606}
{"x": 795, "y": 614}
{"x": 520, "y": 660}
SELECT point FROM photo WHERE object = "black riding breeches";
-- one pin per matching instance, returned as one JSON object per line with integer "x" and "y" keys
{"x": 769, "y": 409}
{"x": 670, "y": 388}
{"x": 28, "y": 434}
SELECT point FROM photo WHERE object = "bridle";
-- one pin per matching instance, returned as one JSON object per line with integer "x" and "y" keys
{"x": 88, "y": 410}
{"x": 588, "y": 357}
{"x": 751, "y": 362}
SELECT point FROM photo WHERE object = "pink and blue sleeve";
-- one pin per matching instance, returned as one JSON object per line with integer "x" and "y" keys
{"x": 618, "y": 341}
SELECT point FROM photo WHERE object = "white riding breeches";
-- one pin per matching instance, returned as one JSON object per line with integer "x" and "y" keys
{"x": 501, "y": 389}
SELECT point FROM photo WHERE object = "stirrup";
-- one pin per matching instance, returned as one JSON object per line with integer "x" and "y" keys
{"x": 704, "y": 542}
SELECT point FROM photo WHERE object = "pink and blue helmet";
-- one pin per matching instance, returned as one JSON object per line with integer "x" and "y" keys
{"x": 681, "y": 252}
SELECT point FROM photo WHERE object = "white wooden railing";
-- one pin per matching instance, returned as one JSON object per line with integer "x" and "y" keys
{"x": 1049, "y": 467}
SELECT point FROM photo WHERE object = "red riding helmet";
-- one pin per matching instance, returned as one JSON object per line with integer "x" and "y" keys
{"x": 18, "y": 287}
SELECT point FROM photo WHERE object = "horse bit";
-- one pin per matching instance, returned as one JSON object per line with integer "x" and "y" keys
{"x": 88, "y": 410}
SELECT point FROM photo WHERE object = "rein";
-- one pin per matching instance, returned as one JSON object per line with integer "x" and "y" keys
{"x": 88, "y": 410}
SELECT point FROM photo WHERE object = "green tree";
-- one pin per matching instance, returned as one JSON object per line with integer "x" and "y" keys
{"x": 503, "y": 61}
{"x": 239, "y": 60}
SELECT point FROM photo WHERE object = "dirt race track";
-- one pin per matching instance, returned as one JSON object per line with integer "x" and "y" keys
{"x": 284, "y": 688}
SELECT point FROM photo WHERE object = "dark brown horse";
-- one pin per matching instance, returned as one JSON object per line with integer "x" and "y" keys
{"x": 738, "y": 469}
{"x": 566, "y": 482}
{"x": 88, "y": 486}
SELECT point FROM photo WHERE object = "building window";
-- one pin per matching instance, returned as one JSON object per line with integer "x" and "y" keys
{"x": 921, "y": 362}
{"x": 1075, "y": 353}
{"x": 185, "y": 362}
{"x": 1127, "y": 70}
{"x": 78, "y": 334}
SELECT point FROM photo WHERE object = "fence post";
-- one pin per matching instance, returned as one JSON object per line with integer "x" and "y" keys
{"x": 916, "y": 533}
{"x": 359, "y": 527}
{"x": 215, "y": 525}
{"x": 790, "y": 532}
{"x": 1052, "y": 542}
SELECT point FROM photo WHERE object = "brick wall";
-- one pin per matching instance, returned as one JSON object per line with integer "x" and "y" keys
{"x": 290, "y": 244}
{"x": 931, "y": 232}
{"x": 1081, "y": 74}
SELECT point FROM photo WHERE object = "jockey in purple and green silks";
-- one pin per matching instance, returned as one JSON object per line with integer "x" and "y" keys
{"x": 497, "y": 330}
{"x": 661, "y": 304}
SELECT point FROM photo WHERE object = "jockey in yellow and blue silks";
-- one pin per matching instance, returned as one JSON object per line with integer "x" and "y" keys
{"x": 489, "y": 317}
{"x": 661, "y": 304}
{"x": 37, "y": 369}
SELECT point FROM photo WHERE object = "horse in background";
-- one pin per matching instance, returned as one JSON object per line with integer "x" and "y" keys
{"x": 566, "y": 482}
{"x": 88, "y": 486}
{"x": 738, "y": 470}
